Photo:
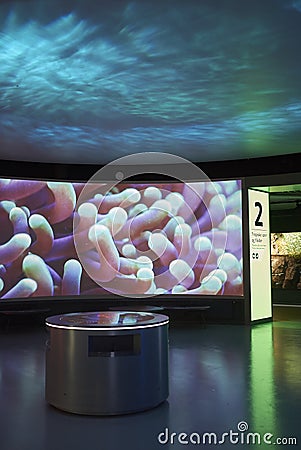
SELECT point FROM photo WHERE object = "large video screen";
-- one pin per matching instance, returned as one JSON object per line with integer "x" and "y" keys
{"x": 88, "y": 81}
{"x": 286, "y": 260}
{"x": 133, "y": 239}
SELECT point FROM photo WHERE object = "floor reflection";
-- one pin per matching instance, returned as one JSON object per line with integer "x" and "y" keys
{"x": 220, "y": 376}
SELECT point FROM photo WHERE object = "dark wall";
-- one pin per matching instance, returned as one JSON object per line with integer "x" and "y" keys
{"x": 262, "y": 170}
{"x": 286, "y": 221}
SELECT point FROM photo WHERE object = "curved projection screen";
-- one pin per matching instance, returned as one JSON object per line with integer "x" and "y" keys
{"x": 134, "y": 240}
{"x": 87, "y": 81}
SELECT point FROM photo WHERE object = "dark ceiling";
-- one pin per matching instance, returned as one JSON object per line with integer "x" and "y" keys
{"x": 284, "y": 197}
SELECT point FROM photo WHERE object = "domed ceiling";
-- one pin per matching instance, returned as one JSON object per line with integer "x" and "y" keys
{"x": 88, "y": 81}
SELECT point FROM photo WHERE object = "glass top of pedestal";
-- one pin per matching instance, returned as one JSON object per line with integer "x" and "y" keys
{"x": 107, "y": 319}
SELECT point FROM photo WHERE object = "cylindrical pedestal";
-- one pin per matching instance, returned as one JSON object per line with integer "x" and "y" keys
{"x": 107, "y": 363}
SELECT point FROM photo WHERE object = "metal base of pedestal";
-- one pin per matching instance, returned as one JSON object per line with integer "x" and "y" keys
{"x": 99, "y": 368}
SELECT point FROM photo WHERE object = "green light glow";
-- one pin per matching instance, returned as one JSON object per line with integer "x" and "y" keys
{"x": 263, "y": 403}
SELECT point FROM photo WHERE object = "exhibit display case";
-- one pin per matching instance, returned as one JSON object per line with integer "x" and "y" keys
{"x": 107, "y": 363}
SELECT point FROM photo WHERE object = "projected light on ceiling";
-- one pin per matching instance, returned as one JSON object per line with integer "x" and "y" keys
{"x": 88, "y": 82}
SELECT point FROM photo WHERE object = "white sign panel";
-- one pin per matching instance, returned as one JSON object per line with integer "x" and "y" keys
{"x": 260, "y": 257}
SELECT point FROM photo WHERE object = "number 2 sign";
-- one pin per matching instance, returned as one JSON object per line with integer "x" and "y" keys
{"x": 258, "y": 222}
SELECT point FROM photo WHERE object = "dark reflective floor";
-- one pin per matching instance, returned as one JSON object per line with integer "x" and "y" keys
{"x": 221, "y": 377}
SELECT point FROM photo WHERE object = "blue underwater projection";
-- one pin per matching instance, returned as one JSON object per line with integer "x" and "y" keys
{"x": 90, "y": 81}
